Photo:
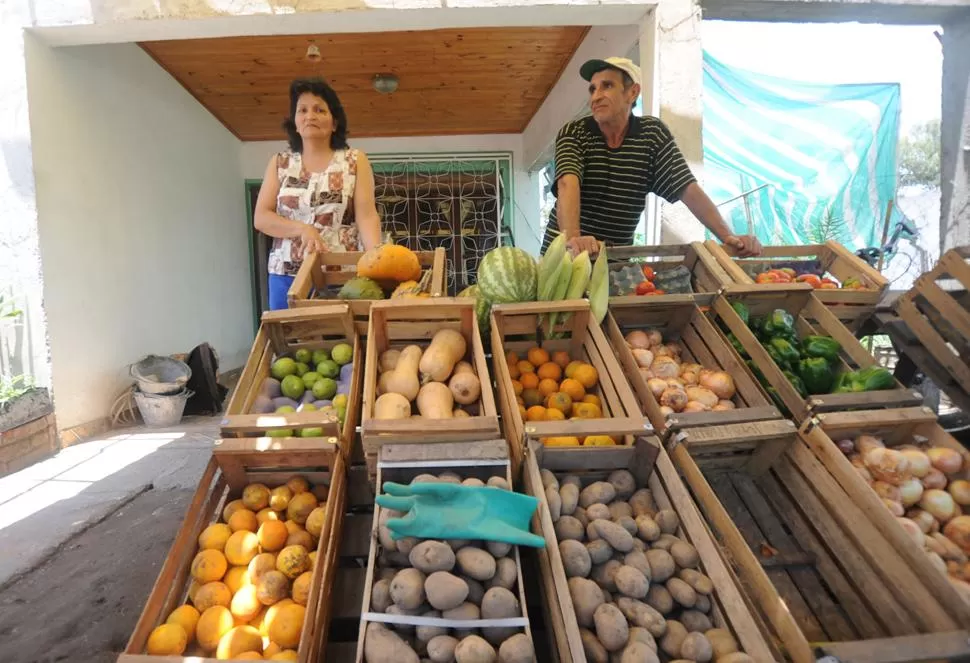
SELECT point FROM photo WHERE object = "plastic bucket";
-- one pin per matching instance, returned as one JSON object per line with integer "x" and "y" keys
{"x": 158, "y": 410}
{"x": 160, "y": 375}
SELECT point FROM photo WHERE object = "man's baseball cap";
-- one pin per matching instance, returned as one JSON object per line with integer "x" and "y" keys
{"x": 622, "y": 64}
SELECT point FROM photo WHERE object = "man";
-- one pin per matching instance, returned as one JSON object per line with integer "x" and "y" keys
{"x": 608, "y": 163}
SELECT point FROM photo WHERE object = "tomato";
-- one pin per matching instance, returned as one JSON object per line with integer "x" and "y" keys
{"x": 782, "y": 276}
{"x": 831, "y": 281}
{"x": 828, "y": 286}
{"x": 788, "y": 270}
{"x": 766, "y": 277}
{"x": 655, "y": 293}
{"x": 648, "y": 272}
{"x": 645, "y": 287}
{"x": 811, "y": 279}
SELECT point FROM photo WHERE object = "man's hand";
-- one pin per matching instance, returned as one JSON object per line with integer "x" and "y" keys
{"x": 746, "y": 245}
{"x": 577, "y": 245}
{"x": 312, "y": 241}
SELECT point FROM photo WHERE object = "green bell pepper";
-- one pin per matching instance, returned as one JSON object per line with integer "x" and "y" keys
{"x": 797, "y": 383}
{"x": 742, "y": 311}
{"x": 785, "y": 349}
{"x": 782, "y": 323}
{"x": 817, "y": 375}
{"x": 874, "y": 378}
{"x": 776, "y": 356}
{"x": 737, "y": 344}
{"x": 821, "y": 346}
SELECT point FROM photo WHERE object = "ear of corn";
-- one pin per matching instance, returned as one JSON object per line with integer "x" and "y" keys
{"x": 549, "y": 267}
{"x": 578, "y": 281}
{"x": 599, "y": 287}
{"x": 562, "y": 285}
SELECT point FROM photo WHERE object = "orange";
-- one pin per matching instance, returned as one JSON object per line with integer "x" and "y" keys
{"x": 548, "y": 386}
{"x": 587, "y": 376}
{"x": 214, "y": 536}
{"x": 237, "y": 577}
{"x": 571, "y": 368}
{"x": 561, "y": 358}
{"x": 212, "y": 594}
{"x": 167, "y": 639}
{"x": 244, "y": 519}
{"x": 511, "y": 358}
{"x": 549, "y": 371}
{"x": 213, "y": 624}
{"x": 209, "y": 566}
{"x": 561, "y": 402}
{"x": 536, "y": 413}
{"x": 517, "y": 387}
{"x": 522, "y": 412}
{"x": 187, "y": 617}
{"x": 538, "y": 356}
{"x": 514, "y": 371}
{"x": 531, "y": 397}
{"x": 242, "y": 547}
{"x": 529, "y": 380}
{"x": 245, "y": 604}
{"x": 272, "y": 535}
{"x": 593, "y": 399}
{"x": 586, "y": 411}
{"x": 525, "y": 367}
{"x": 560, "y": 441}
{"x": 598, "y": 441}
{"x": 301, "y": 588}
{"x": 285, "y": 628}
{"x": 237, "y": 641}
{"x": 552, "y": 414}
{"x": 519, "y": 400}
{"x": 572, "y": 388}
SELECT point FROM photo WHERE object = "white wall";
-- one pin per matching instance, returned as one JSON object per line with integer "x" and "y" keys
{"x": 142, "y": 221}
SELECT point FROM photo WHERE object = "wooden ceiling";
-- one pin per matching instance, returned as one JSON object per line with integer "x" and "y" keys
{"x": 476, "y": 81}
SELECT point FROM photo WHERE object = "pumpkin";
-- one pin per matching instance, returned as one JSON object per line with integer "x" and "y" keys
{"x": 435, "y": 401}
{"x": 413, "y": 289}
{"x": 447, "y": 348}
{"x": 392, "y": 406}
{"x": 403, "y": 379}
{"x": 389, "y": 264}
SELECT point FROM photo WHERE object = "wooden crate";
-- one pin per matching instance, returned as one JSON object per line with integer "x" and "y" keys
{"x": 652, "y": 469}
{"x": 850, "y": 306}
{"x": 707, "y": 276}
{"x": 401, "y": 464}
{"x": 824, "y": 578}
{"x": 322, "y": 274}
{"x": 811, "y": 318}
{"x": 937, "y": 310}
{"x": 515, "y": 328}
{"x": 236, "y": 463}
{"x": 396, "y": 324}
{"x": 280, "y": 332}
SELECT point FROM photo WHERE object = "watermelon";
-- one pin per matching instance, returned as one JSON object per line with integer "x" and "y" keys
{"x": 483, "y": 309}
{"x": 507, "y": 274}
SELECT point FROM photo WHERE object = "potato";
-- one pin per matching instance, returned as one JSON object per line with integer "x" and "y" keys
{"x": 631, "y": 582}
{"x": 695, "y": 621}
{"x": 593, "y": 648}
{"x": 638, "y": 652}
{"x": 431, "y": 556}
{"x": 381, "y": 644}
{"x": 662, "y": 566}
{"x": 611, "y": 627}
{"x": 393, "y": 559}
{"x": 620, "y": 509}
{"x": 668, "y": 521}
{"x": 425, "y": 478}
{"x": 639, "y": 545}
{"x": 449, "y": 477}
{"x": 499, "y": 603}
{"x": 683, "y": 593}
{"x": 638, "y": 560}
{"x": 623, "y": 482}
{"x": 458, "y": 544}
{"x": 696, "y": 648}
{"x": 640, "y": 634}
{"x": 398, "y": 610}
{"x": 600, "y": 492}
{"x": 465, "y": 611}
{"x": 643, "y": 504}
{"x": 445, "y": 591}
{"x": 580, "y": 515}
{"x": 388, "y": 574}
{"x": 586, "y": 598}
{"x": 703, "y": 603}
{"x": 554, "y": 502}
{"x": 599, "y": 551}
{"x": 498, "y": 482}
{"x": 722, "y": 642}
{"x": 570, "y": 528}
{"x": 627, "y": 523}
{"x": 441, "y": 649}
{"x": 598, "y": 512}
{"x": 475, "y": 563}
{"x": 517, "y": 649}
{"x": 738, "y": 657}
{"x": 700, "y": 582}
{"x": 604, "y": 574}
{"x": 407, "y": 589}
{"x": 569, "y": 494}
{"x": 575, "y": 558}
{"x": 476, "y": 590}
{"x": 506, "y": 574}
{"x": 548, "y": 479}
{"x": 673, "y": 640}
{"x": 647, "y": 528}
{"x": 473, "y": 482}
{"x": 380, "y": 596}
{"x": 498, "y": 549}
{"x": 665, "y": 542}
{"x": 618, "y": 538}
{"x": 425, "y": 634}
{"x": 572, "y": 479}
{"x": 474, "y": 649}
{"x": 642, "y": 615}
{"x": 660, "y": 599}
{"x": 383, "y": 533}
{"x": 685, "y": 555}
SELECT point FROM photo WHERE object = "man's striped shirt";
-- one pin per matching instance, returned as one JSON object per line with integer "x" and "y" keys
{"x": 614, "y": 183}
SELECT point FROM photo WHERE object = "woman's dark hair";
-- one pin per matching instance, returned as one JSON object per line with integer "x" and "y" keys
{"x": 318, "y": 88}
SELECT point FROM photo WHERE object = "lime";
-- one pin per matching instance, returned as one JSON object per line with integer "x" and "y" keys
{"x": 311, "y": 432}
{"x": 280, "y": 433}
{"x": 342, "y": 353}
{"x": 320, "y": 355}
{"x": 328, "y": 369}
{"x": 310, "y": 379}
{"x": 324, "y": 389}
{"x": 307, "y": 407}
{"x": 292, "y": 386}
{"x": 301, "y": 368}
{"x": 341, "y": 413}
{"x": 340, "y": 400}
{"x": 283, "y": 367}
{"x": 285, "y": 409}
{"x": 303, "y": 356}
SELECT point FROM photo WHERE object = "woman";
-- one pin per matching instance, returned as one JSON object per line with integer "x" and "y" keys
{"x": 318, "y": 195}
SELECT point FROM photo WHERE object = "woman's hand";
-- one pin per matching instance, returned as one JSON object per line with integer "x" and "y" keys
{"x": 312, "y": 241}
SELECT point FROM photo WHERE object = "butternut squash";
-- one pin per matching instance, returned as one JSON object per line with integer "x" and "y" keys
{"x": 447, "y": 348}
{"x": 460, "y": 414}
{"x": 403, "y": 379}
{"x": 392, "y": 406}
{"x": 465, "y": 387}
{"x": 388, "y": 360}
{"x": 464, "y": 367}
{"x": 435, "y": 401}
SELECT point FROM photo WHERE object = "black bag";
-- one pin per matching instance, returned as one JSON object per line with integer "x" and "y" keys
{"x": 208, "y": 393}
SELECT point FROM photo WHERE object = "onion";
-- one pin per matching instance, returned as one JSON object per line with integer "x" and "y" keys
{"x": 895, "y": 508}
{"x": 934, "y": 479}
{"x": 664, "y": 367}
{"x": 846, "y": 446}
{"x": 910, "y": 491}
{"x": 945, "y": 460}
{"x": 656, "y": 386}
{"x": 960, "y": 490}
{"x": 863, "y": 472}
{"x": 696, "y": 406}
{"x": 662, "y": 351}
{"x": 919, "y": 462}
{"x": 937, "y": 562}
{"x": 915, "y": 533}
{"x": 958, "y": 531}
{"x": 887, "y": 464}
{"x": 643, "y": 357}
{"x": 654, "y": 338}
{"x": 951, "y": 551}
{"x": 676, "y": 400}
{"x": 701, "y": 395}
{"x": 690, "y": 368}
{"x": 721, "y": 383}
{"x": 887, "y": 491}
{"x": 725, "y": 405}
{"x": 922, "y": 518}
{"x": 938, "y": 503}
{"x": 865, "y": 443}
{"x": 646, "y": 373}
{"x": 674, "y": 349}
{"x": 638, "y": 339}
{"x": 676, "y": 383}
{"x": 666, "y": 411}
{"x": 689, "y": 378}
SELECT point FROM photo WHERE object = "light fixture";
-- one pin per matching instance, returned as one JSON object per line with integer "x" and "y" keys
{"x": 385, "y": 83}
{"x": 313, "y": 53}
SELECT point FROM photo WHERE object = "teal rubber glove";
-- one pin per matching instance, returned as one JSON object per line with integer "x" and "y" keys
{"x": 452, "y": 511}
